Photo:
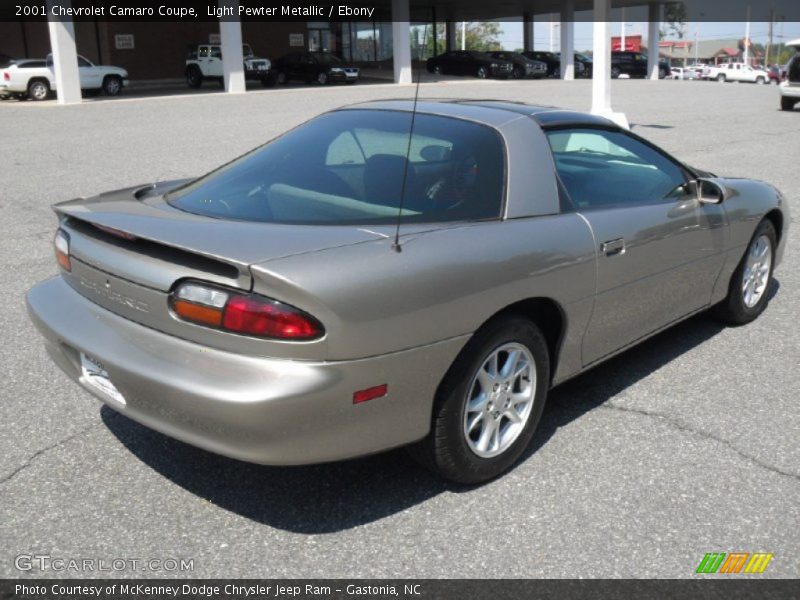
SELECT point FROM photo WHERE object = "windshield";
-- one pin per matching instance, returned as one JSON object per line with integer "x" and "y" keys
{"x": 350, "y": 166}
{"x": 327, "y": 59}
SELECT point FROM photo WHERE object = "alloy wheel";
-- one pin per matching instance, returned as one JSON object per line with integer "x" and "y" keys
{"x": 499, "y": 400}
{"x": 38, "y": 90}
{"x": 755, "y": 277}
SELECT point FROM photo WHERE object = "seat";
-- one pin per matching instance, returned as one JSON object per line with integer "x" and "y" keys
{"x": 383, "y": 181}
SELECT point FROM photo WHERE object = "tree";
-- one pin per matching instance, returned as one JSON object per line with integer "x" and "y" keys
{"x": 674, "y": 20}
{"x": 481, "y": 36}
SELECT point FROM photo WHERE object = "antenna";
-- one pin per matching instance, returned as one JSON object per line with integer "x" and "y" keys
{"x": 396, "y": 244}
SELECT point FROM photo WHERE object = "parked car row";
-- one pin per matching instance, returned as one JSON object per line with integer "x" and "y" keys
{"x": 34, "y": 78}
{"x": 204, "y": 62}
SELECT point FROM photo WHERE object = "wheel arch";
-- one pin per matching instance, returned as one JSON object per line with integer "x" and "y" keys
{"x": 775, "y": 216}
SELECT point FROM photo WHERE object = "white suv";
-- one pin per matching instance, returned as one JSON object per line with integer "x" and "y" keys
{"x": 790, "y": 86}
{"x": 204, "y": 61}
{"x": 35, "y": 78}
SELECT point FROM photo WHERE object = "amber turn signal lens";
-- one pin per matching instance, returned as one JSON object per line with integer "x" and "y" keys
{"x": 197, "y": 314}
{"x": 61, "y": 244}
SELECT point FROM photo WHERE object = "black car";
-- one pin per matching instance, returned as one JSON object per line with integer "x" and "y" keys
{"x": 551, "y": 59}
{"x": 634, "y": 65}
{"x": 583, "y": 65}
{"x": 322, "y": 67}
{"x": 523, "y": 66}
{"x": 468, "y": 62}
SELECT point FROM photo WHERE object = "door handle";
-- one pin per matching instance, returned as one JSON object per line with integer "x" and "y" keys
{"x": 613, "y": 247}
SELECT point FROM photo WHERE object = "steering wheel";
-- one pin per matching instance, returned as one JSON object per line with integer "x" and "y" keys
{"x": 450, "y": 192}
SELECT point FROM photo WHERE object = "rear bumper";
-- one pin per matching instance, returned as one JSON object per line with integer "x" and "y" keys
{"x": 789, "y": 91}
{"x": 255, "y": 409}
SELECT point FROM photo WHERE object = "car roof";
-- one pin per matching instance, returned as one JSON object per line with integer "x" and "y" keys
{"x": 490, "y": 112}
{"x": 795, "y": 43}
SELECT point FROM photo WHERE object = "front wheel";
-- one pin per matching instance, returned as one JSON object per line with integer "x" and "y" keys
{"x": 721, "y": 77}
{"x": 787, "y": 103}
{"x": 489, "y": 403}
{"x": 748, "y": 292}
{"x": 482, "y": 73}
{"x": 615, "y": 72}
{"x": 194, "y": 77}
{"x": 112, "y": 85}
{"x": 760, "y": 80}
{"x": 322, "y": 78}
{"x": 518, "y": 73}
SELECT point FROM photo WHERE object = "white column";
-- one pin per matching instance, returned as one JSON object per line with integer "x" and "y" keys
{"x": 654, "y": 16}
{"x": 601, "y": 72}
{"x": 527, "y": 31}
{"x": 401, "y": 42}
{"x": 65, "y": 55}
{"x": 230, "y": 33}
{"x": 568, "y": 40}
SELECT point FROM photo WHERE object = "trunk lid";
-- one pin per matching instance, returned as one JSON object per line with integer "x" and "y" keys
{"x": 131, "y": 269}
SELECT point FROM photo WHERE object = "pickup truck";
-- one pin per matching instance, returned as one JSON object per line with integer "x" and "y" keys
{"x": 736, "y": 72}
{"x": 35, "y": 78}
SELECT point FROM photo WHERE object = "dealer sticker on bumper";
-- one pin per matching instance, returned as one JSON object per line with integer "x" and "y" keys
{"x": 95, "y": 376}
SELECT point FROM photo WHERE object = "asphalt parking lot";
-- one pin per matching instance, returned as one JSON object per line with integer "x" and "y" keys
{"x": 685, "y": 445}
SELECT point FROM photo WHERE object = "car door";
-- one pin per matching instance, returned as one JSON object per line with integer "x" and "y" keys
{"x": 89, "y": 74}
{"x": 215, "y": 61}
{"x": 659, "y": 249}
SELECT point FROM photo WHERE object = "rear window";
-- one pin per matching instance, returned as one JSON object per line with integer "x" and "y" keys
{"x": 31, "y": 64}
{"x": 350, "y": 167}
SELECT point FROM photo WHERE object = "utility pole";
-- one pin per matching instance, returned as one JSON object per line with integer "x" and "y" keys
{"x": 769, "y": 40}
{"x": 747, "y": 38}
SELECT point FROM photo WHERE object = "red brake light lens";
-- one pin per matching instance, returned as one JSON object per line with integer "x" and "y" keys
{"x": 6, "y": 76}
{"x": 251, "y": 314}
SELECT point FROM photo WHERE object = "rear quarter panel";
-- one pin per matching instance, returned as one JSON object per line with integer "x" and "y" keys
{"x": 443, "y": 284}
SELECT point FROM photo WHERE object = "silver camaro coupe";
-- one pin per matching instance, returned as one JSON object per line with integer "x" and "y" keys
{"x": 385, "y": 276}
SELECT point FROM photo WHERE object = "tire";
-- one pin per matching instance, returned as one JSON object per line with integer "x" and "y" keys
{"x": 268, "y": 80}
{"x": 281, "y": 78}
{"x": 615, "y": 73}
{"x": 322, "y": 78}
{"x": 194, "y": 76}
{"x": 518, "y": 73}
{"x": 482, "y": 73}
{"x": 760, "y": 80}
{"x": 437, "y": 70}
{"x": 787, "y": 103}
{"x": 451, "y": 449}
{"x": 557, "y": 73}
{"x": 38, "y": 90}
{"x": 112, "y": 85}
{"x": 738, "y": 308}
{"x": 721, "y": 77}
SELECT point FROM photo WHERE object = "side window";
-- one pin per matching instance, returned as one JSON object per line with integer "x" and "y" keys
{"x": 602, "y": 168}
{"x": 216, "y": 52}
{"x": 203, "y": 52}
{"x": 82, "y": 62}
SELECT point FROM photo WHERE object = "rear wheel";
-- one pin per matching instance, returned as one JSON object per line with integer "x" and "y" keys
{"x": 489, "y": 403}
{"x": 748, "y": 292}
{"x": 721, "y": 77}
{"x": 194, "y": 77}
{"x": 437, "y": 70}
{"x": 282, "y": 79}
{"x": 482, "y": 73}
{"x": 38, "y": 90}
{"x": 760, "y": 80}
{"x": 615, "y": 72}
{"x": 787, "y": 103}
{"x": 112, "y": 85}
{"x": 518, "y": 72}
{"x": 322, "y": 78}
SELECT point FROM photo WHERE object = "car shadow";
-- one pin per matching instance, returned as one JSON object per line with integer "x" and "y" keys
{"x": 338, "y": 496}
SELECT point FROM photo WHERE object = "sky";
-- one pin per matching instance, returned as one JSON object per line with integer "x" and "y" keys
{"x": 512, "y": 32}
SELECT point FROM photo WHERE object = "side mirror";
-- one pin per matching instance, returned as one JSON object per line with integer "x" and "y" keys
{"x": 708, "y": 191}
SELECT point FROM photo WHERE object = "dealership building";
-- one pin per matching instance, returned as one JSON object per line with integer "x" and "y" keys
{"x": 151, "y": 50}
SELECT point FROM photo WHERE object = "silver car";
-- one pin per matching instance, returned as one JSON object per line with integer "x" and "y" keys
{"x": 350, "y": 287}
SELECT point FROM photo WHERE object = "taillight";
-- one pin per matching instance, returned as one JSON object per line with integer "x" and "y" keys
{"x": 61, "y": 245}
{"x": 246, "y": 314}
{"x": 6, "y": 76}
